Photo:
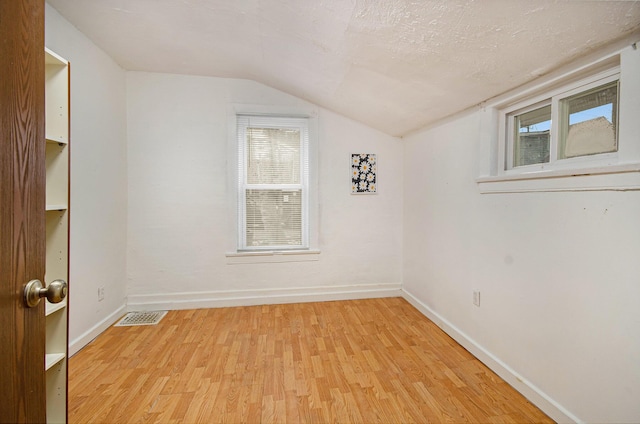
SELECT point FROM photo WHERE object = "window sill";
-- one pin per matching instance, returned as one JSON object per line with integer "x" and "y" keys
{"x": 278, "y": 256}
{"x": 615, "y": 177}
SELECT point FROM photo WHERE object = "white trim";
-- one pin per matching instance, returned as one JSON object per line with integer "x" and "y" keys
{"x": 271, "y": 256}
{"x": 309, "y": 112}
{"x": 534, "y": 394}
{"x": 218, "y": 299}
{"x": 602, "y": 178}
{"x": 85, "y": 338}
{"x": 245, "y": 121}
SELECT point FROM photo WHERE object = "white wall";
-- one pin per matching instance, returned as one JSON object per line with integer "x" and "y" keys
{"x": 558, "y": 274}
{"x": 181, "y": 211}
{"x": 98, "y": 180}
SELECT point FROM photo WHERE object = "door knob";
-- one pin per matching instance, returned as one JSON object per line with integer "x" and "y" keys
{"x": 55, "y": 292}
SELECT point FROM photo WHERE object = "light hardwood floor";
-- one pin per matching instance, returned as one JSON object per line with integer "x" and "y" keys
{"x": 360, "y": 361}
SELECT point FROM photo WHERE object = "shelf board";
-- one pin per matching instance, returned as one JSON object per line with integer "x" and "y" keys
{"x": 56, "y": 207}
{"x": 56, "y": 140}
{"x": 51, "y": 58}
{"x": 53, "y": 358}
{"x": 50, "y": 308}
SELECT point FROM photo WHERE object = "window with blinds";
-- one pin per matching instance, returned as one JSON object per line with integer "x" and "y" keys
{"x": 273, "y": 183}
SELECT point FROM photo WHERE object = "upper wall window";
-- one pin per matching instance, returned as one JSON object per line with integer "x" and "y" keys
{"x": 574, "y": 129}
{"x": 572, "y": 124}
{"x": 273, "y": 183}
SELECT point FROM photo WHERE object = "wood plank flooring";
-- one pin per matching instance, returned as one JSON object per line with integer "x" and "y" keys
{"x": 360, "y": 361}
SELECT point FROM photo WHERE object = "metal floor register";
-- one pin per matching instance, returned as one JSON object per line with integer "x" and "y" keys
{"x": 141, "y": 318}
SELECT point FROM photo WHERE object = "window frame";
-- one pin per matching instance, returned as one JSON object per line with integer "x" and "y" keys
{"x": 245, "y": 121}
{"x": 619, "y": 174}
{"x": 553, "y": 97}
{"x": 510, "y": 132}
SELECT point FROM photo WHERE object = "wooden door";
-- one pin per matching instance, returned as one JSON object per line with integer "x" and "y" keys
{"x": 22, "y": 208}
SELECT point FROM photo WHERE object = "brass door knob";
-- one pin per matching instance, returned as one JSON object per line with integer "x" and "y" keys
{"x": 55, "y": 292}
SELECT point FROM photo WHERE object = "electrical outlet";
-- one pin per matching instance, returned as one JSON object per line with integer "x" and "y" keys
{"x": 476, "y": 298}
{"x": 100, "y": 294}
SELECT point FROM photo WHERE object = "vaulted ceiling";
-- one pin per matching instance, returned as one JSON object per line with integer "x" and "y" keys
{"x": 395, "y": 65}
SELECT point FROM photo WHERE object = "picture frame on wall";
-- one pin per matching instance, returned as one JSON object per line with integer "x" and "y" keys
{"x": 364, "y": 173}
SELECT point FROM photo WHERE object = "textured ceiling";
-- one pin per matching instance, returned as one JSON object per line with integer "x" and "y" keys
{"x": 394, "y": 65}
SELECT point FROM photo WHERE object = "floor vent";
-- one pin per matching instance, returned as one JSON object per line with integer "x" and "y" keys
{"x": 141, "y": 318}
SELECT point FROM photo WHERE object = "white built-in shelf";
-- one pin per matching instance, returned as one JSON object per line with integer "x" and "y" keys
{"x": 57, "y": 230}
{"x": 56, "y": 98}
{"x": 50, "y": 308}
{"x": 53, "y": 358}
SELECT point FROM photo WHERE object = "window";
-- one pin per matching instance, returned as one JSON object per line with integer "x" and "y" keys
{"x": 273, "y": 183}
{"x": 531, "y": 136}
{"x": 588, "y": 122}
{"x": 574, "y": 129}
{"x": 574, "y": 123}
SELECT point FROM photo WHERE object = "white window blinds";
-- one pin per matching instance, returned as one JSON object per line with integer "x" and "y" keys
{"x": 272, "y": 183}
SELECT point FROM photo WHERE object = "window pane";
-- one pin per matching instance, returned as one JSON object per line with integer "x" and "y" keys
{"x": 588, "y": 122}
{"x": 273, "y": 156}
{"x": 274, "y": 218}
{"x": 531, "y": 137}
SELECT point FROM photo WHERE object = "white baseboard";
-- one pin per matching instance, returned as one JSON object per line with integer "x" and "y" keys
{"x": 218, "y": 299}
{"x": 78, "y": 343}
{"x": 536, "y": 396}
